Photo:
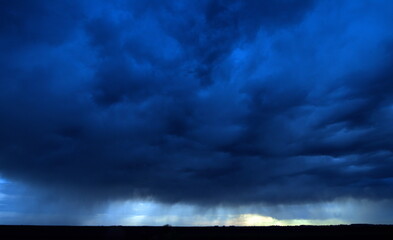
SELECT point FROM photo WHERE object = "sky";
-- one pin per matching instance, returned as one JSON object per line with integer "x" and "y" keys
{"x": 205, "y": 112}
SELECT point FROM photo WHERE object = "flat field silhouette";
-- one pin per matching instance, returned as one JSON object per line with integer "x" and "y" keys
{"x": 221, "y": 232}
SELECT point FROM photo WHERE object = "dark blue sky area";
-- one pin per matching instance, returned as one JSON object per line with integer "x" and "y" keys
{"x": 197, "y": 102}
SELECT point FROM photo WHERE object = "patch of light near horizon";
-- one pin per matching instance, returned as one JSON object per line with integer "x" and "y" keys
{"x": 2, "y": 180}
{"x": 2, "y": 195}
{"x": 150, "y": 213}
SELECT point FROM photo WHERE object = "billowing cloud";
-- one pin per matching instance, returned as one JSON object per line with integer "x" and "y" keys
{"x": 199, "y": 102}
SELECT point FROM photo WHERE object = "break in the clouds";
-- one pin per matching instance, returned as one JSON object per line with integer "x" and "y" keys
{"x": 206, "y": 103}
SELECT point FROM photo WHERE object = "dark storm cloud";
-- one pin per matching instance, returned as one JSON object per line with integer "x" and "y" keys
{"x": 205, "y": 102}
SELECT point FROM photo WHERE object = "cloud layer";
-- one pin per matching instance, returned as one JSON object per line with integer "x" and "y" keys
{"x": 201, "y": 102}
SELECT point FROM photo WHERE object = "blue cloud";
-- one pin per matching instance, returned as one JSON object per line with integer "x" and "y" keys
{"x": 206, "y": 103}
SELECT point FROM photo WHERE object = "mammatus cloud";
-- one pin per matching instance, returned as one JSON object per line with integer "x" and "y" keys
{"x": 206, "y": 102}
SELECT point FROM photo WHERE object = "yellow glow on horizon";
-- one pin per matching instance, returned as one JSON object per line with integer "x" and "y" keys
{"x": 253, "y": 220}
{"x": 260, "y": 220}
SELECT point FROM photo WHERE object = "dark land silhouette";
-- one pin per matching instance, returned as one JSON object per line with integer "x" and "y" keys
{"x": 218, "y": 232}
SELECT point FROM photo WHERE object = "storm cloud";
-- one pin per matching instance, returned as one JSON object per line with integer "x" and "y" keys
{"x": 198, "y": 102}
